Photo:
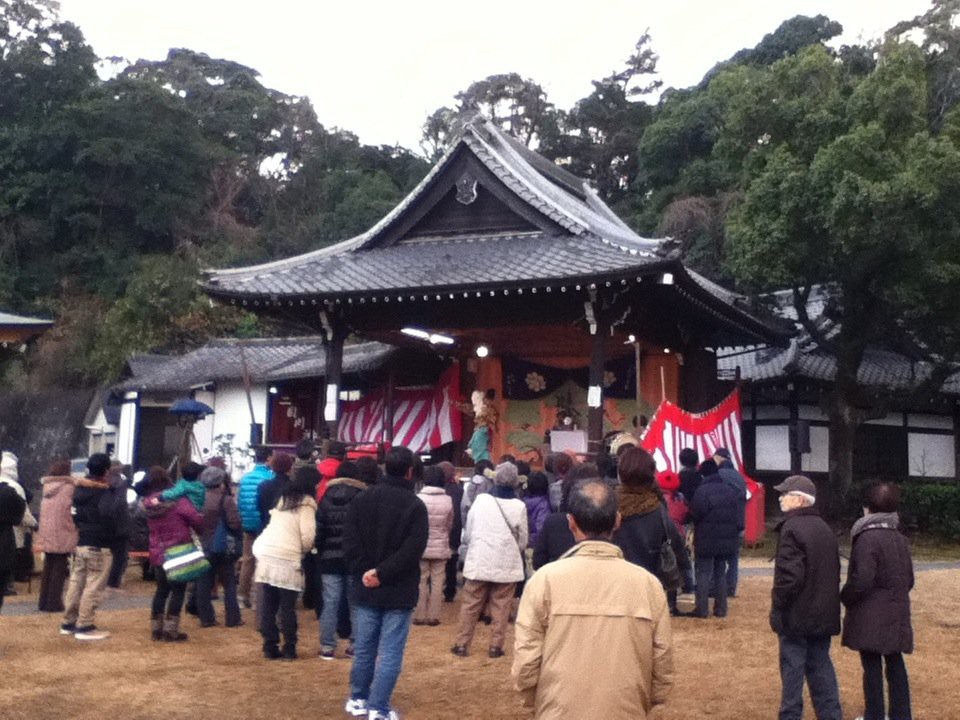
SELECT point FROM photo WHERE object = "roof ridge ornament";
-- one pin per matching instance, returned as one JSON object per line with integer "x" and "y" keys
{"x": 467, "y": 188}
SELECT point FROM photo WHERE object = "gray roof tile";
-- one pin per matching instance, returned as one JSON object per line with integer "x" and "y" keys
{"x": 268, "y": 360}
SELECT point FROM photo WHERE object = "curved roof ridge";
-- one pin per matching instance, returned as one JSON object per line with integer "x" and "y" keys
{"x": 547, "y": 193}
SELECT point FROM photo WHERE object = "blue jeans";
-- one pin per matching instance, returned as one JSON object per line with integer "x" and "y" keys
{"x": 224, "y": 568}
{"x": 335, "y": 588}
{"x": 733, "y": 569}
{"x": 379, "y": 638}
{"x": 808, "y": 657}
{"x": 711, "y": 575}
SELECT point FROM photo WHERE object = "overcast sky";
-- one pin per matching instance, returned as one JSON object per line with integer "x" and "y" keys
{"x": 379, "y": 68}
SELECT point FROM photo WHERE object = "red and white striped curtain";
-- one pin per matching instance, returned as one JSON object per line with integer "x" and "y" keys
{"x": 422, "y": 419}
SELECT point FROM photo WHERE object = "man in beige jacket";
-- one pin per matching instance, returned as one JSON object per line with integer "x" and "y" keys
{"x": 593, "y": 631}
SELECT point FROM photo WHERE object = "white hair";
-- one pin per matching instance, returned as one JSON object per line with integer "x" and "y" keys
{"x": 810, "y": 499}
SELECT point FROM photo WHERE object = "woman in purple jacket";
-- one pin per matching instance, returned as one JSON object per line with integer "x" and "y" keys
{"x": 170, "y": 522}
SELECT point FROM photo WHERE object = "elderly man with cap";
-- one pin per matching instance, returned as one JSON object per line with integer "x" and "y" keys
{"x": 805, "y": 611}
{"x": 732, "y": 477}
{"x": 495, "y": 536}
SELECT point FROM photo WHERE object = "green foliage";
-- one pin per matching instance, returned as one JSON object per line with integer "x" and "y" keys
{"x": 932, "y": 508}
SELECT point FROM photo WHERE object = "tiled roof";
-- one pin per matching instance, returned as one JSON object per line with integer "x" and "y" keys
{"x": 439, "y": 265}
{"x": 268, "y": 360}
{"x": 593, "y": 241}
{"x": 577, "y": 240}
{"x": 804, "y": 358}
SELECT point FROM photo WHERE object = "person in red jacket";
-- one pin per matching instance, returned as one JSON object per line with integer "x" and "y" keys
{"x": 336, "y": 452}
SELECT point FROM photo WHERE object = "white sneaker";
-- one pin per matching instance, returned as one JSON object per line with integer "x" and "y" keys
{"x": 376, "y": 715}
{"x": 357, "y": 707}
{"x": 92, "y": 635}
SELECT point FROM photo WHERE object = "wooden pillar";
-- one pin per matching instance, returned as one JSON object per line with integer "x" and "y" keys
{"x": 388, "y": 407}
{"x": 796, "y": 457}
{"x": 334, "y": 375}
{"x": 600, "y": 330}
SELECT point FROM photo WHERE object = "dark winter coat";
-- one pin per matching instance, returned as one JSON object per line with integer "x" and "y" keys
{"x": 212, "y": 502}
{"x": 100, "y": 513}
{"x": 386, "y": 529}
{"x": 806, "y": 577}
{"x": 555, "y": 539}
{"x": 729, "y": 474}
{"x": 690, "y": 480}
{"x": 12, "y": 507}
{"x": 717, "y": 518}
{"x": 877, "y": 591}
{"x": 170, "y": 522}
{"x": 331, "y": 514}
{"x": 268, "y": 495}
{"x": 455, "y": 491}
{"x": 538, "y": 510}
{"x": 644, "y": 525}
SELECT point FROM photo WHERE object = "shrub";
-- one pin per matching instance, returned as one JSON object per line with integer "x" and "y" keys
{"x": 932, "y": 508}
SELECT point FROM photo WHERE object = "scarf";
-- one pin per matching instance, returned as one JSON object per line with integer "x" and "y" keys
{"x": 503, "y": 492}
{"x": 637, "y": 500}
{"x": 875, "y": 521}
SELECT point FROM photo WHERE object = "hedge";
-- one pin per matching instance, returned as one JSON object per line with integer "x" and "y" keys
{"x": 932, "y": 508}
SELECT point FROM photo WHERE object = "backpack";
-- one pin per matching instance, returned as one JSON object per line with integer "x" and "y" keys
{"x": 226, "y": 541}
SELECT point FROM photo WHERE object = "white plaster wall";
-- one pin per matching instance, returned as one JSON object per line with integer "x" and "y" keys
{"x": 773, "y": 447}
{"x": 931, "y": 456}
{"x": 818, "y": 459}
{"x": 934, "y": 422}
{"x": 232, "y": 414}
{"x": 203, "y": 431}
{"x": 811, "y": 412}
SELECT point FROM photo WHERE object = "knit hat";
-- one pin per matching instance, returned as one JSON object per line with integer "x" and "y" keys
{"x": 213, "y": 477}
{"x": 722, "y": 452}
{"x": 506, "y": 475}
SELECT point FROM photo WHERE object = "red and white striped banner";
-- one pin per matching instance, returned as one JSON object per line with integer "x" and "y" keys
{"x": 422, "y": 419}
{"x": 673, "y": 429}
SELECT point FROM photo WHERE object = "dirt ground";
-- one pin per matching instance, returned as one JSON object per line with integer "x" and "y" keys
{"x": 724, "y": 669}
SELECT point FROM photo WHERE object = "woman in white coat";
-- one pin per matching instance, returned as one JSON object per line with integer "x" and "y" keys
{"x": 433, "y": 565}
{"x": 494, "y": 537}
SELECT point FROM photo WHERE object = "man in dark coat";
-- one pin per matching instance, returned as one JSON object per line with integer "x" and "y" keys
{"x": 384, "y": 536}
{"x": 12, "y": 508}
{"x": 805, "y": 612}
{"x": 101, "y": 516}
{"x": 717, "y": 521}
{"x": 877, "y": 598}
{"x": 730, "y": 475}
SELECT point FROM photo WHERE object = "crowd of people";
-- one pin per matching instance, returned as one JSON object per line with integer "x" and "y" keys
{"x": 587, "y": 559}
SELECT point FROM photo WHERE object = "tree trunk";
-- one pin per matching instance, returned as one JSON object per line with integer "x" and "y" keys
{"x": 844, "y": 422}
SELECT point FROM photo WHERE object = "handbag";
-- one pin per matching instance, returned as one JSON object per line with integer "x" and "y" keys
{"x": 669, "y": 569}
{"x": 185, "y": 562}
{"x": 225, "y": 540}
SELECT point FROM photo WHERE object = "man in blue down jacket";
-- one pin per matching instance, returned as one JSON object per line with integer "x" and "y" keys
{"x": 247, "y": 498}
{"x": 805, "y": 611}
{"x": 384, "y": 536}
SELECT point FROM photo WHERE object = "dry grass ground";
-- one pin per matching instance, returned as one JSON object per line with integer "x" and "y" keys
{"x": 725, "y": 669}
